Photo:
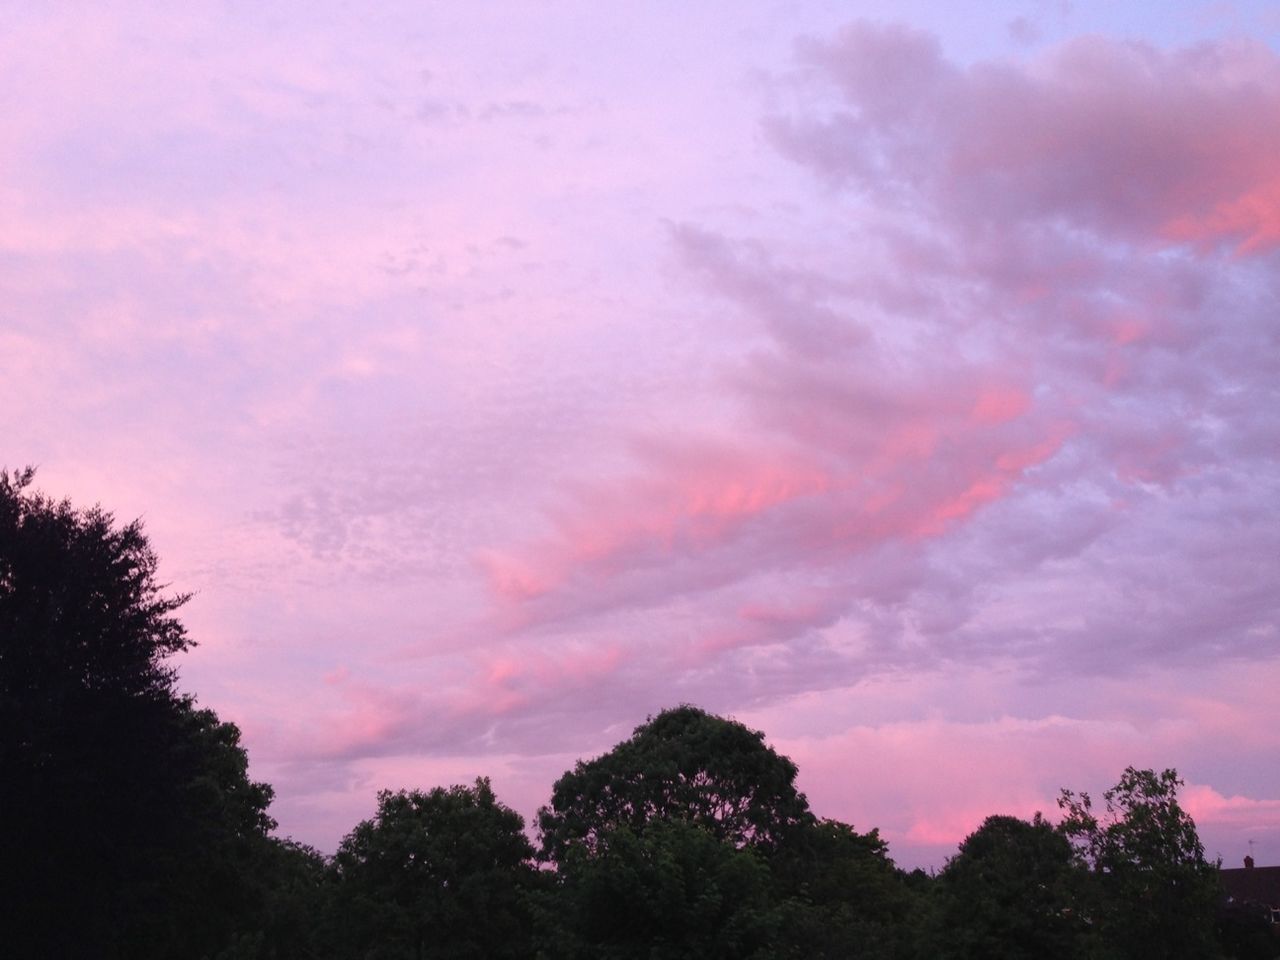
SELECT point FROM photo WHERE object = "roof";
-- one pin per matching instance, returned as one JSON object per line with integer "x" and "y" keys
{"x": 1258, "y": 884}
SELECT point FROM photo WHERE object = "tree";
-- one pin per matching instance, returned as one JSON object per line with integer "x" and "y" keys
{"x": 690, "y": 839}
{"x": 1008, "y": 894}
{"x": 670, "y": 892}
{"x": 126, "y": 808}
{"x": 438, "y": 874}
{"x": 80, "y": 609}
{"x": 841, "y": 894}
{"x": 1152, "y": 893}
{"x": 210, "y": 855}
{"x": 683, "y": 764}
{"x": 289, "y": 889}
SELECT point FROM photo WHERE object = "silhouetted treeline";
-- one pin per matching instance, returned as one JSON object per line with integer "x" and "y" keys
{"x": 131, "y": 828}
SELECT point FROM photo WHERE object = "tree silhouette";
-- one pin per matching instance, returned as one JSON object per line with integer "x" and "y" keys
{"x": 683, "y": 764}
{"x": 1009, "y": 893}
{"x": 671, "y": 892}
{"x": 436, "y": 874}
{"x": 1153, "y": 895}
{"x": 126, "y": 810}
{"x": 690, "y": 839}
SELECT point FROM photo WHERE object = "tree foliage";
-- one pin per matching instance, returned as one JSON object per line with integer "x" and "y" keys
{"x": 699, "y": 804}
{"x": 1009, "y": 893}
{"x": 670, "y": 892}
{"x": 683, "y": 764}
{"x": 287, "y": 885}
{"x": 80, "y": 608}
{"x": 436, "y": 874}
{"x": 841, "y": 895}
{"x": 1152, "y": 892}
{"x": 124, "y": 805}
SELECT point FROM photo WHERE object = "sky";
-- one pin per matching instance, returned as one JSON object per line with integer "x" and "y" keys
{"x": 900, "y": 379}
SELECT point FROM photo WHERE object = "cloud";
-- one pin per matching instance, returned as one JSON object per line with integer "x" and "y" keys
{"x": 1018, "y": 369}
{"x": 970, "y": 741}
{"x": 1123, "y": 139}
{"x": 1207, "y": 805}
{"x": 1007, "y": 400}
{"x": 539, "y": 395}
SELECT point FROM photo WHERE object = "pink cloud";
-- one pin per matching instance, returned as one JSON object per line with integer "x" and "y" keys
{"x": 1253, "y": 216}
{"x": 846, "y": 453}
{"x": 967, "y": 759}
{"x": 510, "y": 681}
{"x": 1208, "y": 807}
{"x": 786, "y": 513}
{"x": 1122, "y": 138}
{"x": 997, "y": 404}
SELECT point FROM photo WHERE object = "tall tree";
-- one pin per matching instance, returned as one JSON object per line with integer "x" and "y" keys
{"x": 683, "y": 764}
{"x": 125, "y": 807}
{"x": 1153, "y": 894}
{"x": 437, "y": 874}
{"x": 690, "y": 839}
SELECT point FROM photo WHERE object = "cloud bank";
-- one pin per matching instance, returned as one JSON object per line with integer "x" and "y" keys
{"x": 495, "y": 387}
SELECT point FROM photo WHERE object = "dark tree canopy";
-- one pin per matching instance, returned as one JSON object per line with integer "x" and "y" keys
{"x": 1009, "y": 893}
{"x": 843, "y": 896}
{"x": 673, "y": 892}
{"x": 1153, "y": 894}
{"x": 80, "y": 609}
{"x": 683, "y": 764}
{"x": 437, "y": 874}
{"x": 124, "y": 806}
{"x": 690, "y": 840}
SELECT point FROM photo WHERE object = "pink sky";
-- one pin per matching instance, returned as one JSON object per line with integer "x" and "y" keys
{"x": 900, "y": 379}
